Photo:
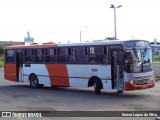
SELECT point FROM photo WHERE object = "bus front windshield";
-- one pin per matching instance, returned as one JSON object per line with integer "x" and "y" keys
{"x": 138, "y": 60}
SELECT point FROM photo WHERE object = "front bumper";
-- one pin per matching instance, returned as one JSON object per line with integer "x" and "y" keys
{"x": 129, "y": 86}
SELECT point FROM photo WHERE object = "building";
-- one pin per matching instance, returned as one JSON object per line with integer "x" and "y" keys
{"x": 9, "y": 43}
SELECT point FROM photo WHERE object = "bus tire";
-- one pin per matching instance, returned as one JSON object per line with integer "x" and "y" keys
{"x": 34, "y": 82}
{"x": 97, "y": 87}
{"x": 119, "y": 91}
{"x": 40, "y": 85}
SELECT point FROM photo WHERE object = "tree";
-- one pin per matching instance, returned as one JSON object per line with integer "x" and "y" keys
{"x": 1, "y": 51}
{"x": 110, "y": 38}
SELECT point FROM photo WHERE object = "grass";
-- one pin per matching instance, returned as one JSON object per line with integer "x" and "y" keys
{"x": 157, "y": 76}
{"x": 1, "y": 61}
{"x": 155, "y": 59}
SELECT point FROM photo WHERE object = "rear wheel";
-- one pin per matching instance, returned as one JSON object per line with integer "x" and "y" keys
{"x": 97, "y": 86}
{"x": 120, "y": 91}
{"x": 34, "y": 82}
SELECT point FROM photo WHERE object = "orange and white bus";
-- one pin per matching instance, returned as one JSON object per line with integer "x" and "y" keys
{"x": 110, "y": 65}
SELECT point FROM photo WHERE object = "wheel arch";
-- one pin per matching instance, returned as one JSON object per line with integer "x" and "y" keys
{"x": 32, "y": 83}
{"x": 92, "y": 81}
{"x": 29, "y": 78}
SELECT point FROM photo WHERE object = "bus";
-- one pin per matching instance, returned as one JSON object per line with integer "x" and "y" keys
{"x": 120, "y": 65}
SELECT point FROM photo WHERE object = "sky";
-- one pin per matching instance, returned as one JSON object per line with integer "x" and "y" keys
{"x": 62, "y": 20}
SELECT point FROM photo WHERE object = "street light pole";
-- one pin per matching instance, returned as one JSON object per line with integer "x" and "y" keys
{"x": 80, "y": 36}
{"x": 115, "y": 27}
{"x": 81, "y": 33}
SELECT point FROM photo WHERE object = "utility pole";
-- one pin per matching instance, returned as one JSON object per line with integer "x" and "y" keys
{"x": 115, "y": 27}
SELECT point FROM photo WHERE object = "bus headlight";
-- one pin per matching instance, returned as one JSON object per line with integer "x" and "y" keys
{"x": 151, "y": 81}
{"x": 131, "y": 82}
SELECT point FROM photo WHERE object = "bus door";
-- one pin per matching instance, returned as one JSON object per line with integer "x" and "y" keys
{"x": 19, "y": 66}
{"x": 117, "y": 69}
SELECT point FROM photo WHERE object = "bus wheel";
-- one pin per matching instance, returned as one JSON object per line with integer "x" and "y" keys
{"x": 120, "y": 91}
{"x": 97, "y": 86}
{"x": 34, "y": 82}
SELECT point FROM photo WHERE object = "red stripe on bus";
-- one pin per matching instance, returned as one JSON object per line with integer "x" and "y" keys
{"x": 129, "y": 86}
{"x": 31, "y": 46}
{"x": 58, "y": 74}
{"x": 10, "y": 72}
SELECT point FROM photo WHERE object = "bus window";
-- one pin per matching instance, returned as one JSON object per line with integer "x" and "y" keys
{"x": 50, "y": 55}
{"x": 92, "y": 51}
{"x": 73, "y": 55}
{"x": 96, "y": 55}
{"x": 61, "y": 57}
{"x": 92, "y": 57}
{"x": 66, "y": 55}
{"x": 105, "y": 50}
{"x": 128, "y": 56}
{"x": 39, "y": 55}
{"x": 99, "y": 54}
{"x": 46, "y": 51}
{"x": 69, "y": 54}
{"x": 39, "y": 51}
{"x": 81, "y": 56}
{"x": 69, "y": 51}
{"x": 28, "y": 55}
{"x": 10, "y": 56}
{"x": 86, "y": 50}
{"x": 105, "y": 55}
{"x": 28, "y": 52}
{"x": 52, "y": 51}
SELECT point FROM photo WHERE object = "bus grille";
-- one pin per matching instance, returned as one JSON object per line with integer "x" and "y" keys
{"x": 142, "y": 79}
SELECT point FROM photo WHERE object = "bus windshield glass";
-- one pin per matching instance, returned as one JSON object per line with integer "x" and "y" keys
{"x": 138, "y": 60}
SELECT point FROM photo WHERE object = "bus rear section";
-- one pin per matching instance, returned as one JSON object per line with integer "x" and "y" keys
{"x": 12, "y": 65}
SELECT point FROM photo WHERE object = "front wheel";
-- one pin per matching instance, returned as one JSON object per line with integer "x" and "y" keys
{"x": 97, "y": 87}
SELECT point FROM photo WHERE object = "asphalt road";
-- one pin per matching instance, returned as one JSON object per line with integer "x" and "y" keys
{"x": 20, "y": 97}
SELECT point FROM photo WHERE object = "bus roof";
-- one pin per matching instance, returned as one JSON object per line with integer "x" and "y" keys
{"x": 98, "y": 42}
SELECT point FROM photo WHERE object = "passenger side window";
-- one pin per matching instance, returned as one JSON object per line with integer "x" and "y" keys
{"x": 98, "y": 54}
{"x": 50, "y": 56}
{"x": 39, "y": 55}
{"x": 105, "y": 55}
{"x": 61, "y": 56}
{"x": 28, "y": 55}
